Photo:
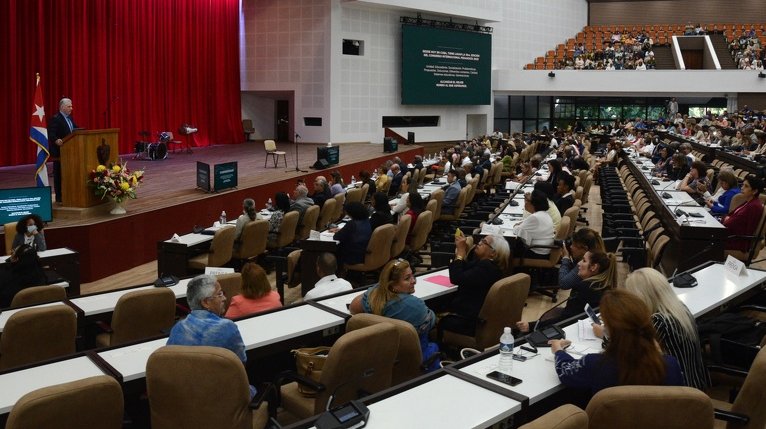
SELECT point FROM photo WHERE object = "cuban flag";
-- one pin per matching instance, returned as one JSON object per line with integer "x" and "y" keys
{"x": 38, "y": 134}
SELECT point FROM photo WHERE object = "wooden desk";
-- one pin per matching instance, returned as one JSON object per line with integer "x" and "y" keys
{"x": 173, "y": 257}
{"x": 65, "y": 261}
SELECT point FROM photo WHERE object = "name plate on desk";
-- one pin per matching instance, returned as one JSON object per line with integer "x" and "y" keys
{"x": 487, "y": 229}
{"x": 735, "y": 266}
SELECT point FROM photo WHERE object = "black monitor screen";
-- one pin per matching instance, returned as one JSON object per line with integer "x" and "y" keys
{"x": 443, "y": 66}
{"x": 18, "y": 202}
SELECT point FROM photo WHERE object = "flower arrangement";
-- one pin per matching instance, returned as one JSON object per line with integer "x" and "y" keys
{"x": 115, "y": 181}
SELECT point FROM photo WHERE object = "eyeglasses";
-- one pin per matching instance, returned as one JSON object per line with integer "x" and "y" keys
{"x": 220, "y": 294}
{"x": 486, "y": 243}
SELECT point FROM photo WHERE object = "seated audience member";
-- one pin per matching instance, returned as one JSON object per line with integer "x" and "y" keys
{"x": 328, "y": 282}
{"x": 301, "y": 201}
{"x": 535, "y": 230}
{"x": 364, "y": 177}
{"x": 728, "y": 187}
{"x": 396, "y": 179}
{"x": 678, "y": 168}
{"x": 256, "y": 295}
{"x": 565, "y": 192}
{"x": 417, "y": 163}
{"x": 382, "y": 181}
{"x": 393, "y": 297}
{"x": 664, "y": 160}
{"x": 29, "y": 230}
{"x": 382, "y": 214}
{"x": 588, "y": 272}
{"x": 281, "y": 206}
{"x": 338, "y": 187}
{"x": 526, "y": 171}
{"x": 451, "y": 193}
{"x": 204, "y": 326}
{"x": 675, "y": 325}
{"x": 697, "y": 176}
{"x": 632, "y": 355}
{"x": 249, "y": 214}
{"x": 354, "y": 236}
{"x": 321, "y": 192}
{"x": 745, "y": 219}
{"x": 474, "y": 272}
{"x": 550, "y": 194}
{"x": 23, "y": 270}
{"x": 415, "y": 206}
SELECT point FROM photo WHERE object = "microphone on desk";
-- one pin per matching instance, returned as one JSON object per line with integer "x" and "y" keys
{"x": 540, "y": 338}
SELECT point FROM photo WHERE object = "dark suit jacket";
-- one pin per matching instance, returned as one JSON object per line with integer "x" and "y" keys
{"x": 396, "y": 183}
{"x": 58, "y": 129}
{"x": 564, "y": 203}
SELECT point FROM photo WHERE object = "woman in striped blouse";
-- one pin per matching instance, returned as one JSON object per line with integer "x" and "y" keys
{"x": 675, "y": 325}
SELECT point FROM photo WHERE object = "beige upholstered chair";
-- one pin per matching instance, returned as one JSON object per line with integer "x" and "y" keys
{"x": 459, "y": 205}
{"x": 566, "y": 416}
{"x": 37, "y": 334}
{"x": 286, "y": 234}
{"x": 270, "y": 146}
{"x": 409, "y": 356}
{"x": 247, "y": 128}
{"x": 354, "y": 195}
{"x": 38, "y": 295}
{"x": 253, "y": 240}
{"x": 326, "y": 214}
{"x": 400, "y": 235}
{"x": 367, "y": 351}
{"x": 365, "y": 192}
{"x": 555, "y": 254}
{"x": 378, "y": 250}
{"x": 93, "y": 403}
{"x": 502, "y": 307}
{"x": 200, "y": 387}
{"x": 310, "y": 219}
{"x": 667, "y": 407}
{"x": 220, "y": 251}
{"x": 10, "y": 232}
{"x": 751, "y": 399}
{"x": 340, "y": 200}
{"x": 140, "y": 314}
{"x": 231, "y": 285}
{"x": 420, "y": 231}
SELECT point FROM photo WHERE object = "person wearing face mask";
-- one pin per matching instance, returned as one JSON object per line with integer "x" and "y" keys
{"x": 23, "y": 271}
{"x": 29, "y": 230}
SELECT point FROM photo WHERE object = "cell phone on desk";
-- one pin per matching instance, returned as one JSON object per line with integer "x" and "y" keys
{"x": 504, "y": 378}
{"x": 592, "y": 314}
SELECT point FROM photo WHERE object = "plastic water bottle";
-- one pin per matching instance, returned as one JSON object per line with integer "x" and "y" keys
{"x": 269, "y": 204}
{"x": 506, "y": 352}
{"x": 223, "y": 217}
{"x": 353, "y": 181}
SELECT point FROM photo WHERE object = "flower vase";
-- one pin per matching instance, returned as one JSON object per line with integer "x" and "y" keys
{"x": 119, "y": 208}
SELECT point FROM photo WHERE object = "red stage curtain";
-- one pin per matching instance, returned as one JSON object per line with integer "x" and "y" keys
{"x": 129, "y": 64}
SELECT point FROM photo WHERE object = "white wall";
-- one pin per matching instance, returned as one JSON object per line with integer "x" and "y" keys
{"x": 261, "y": 111}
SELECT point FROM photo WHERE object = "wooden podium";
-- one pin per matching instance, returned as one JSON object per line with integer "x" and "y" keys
{"x": 79, "y": 157}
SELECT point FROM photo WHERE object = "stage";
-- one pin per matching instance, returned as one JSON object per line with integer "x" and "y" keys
{"x": 168, "y": 201}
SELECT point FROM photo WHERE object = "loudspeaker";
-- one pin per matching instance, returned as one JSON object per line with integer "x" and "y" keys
{"x": 410, "y": 137}
{"x": 321, "y": 164}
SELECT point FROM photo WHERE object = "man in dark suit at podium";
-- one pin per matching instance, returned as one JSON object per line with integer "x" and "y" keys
{"x": 60, "y": 126}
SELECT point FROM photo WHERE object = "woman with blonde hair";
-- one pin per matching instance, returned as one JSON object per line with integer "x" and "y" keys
{"x": 256, "y": 295}
{"x": 675, "y": 325}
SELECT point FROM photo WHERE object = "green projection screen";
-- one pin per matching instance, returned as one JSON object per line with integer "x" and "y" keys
{"x": 441, "y": 66}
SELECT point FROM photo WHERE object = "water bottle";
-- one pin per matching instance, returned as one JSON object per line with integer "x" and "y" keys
{"x": 222, "y": 220}
{"x": 269, "y": 204}
{"x": 505, "y": 364}
{"x": 353, "y": 181}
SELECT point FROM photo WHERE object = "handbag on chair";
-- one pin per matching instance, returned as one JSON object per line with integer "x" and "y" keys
{"x": 309, "y": 362}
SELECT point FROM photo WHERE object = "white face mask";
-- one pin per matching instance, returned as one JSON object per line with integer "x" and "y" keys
{"x": 31, "y": 228}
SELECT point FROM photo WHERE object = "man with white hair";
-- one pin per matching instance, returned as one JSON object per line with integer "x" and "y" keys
{"x": 301, "y": 201}
{"x": 60, "y": 126}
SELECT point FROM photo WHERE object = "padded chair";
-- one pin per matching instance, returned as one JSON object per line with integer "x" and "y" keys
{"x": 310, "y": 218}
{"x": 360, "y": 362}
{"x": 438, "y": 196}
{"x": 270, "y": 146}
{"x": 173, "y": 144}
{"x": 756, "y": 242}
{"x": 378, "y": 250}
{"x": 140, "y": 314}
{"x": 365, "y": 192}
{"x": 667, "y": 407}
{"x": 93, "y": 402}
{"x": 502, "y": 307}
{"x": 326, "y": 214}
{"x": 200, "y": 387}
{"x": 400, "y": 235}
{"x": 462, "y": 200}
{"x": 566, "y": 416}
{"x": 10, "y": 233}
{"x": 555, "y": 254}
{"x": 221, "y": 250}
{"x": 38, "y": 295}
{"x": 736, "y": 201}
{"x": 751, "y": 399}
{"x": 231, "y": 285}
{"x": 409, "y": 356}
{"x": 247, "y": 128}
{"x": 340, "y": 200}
{"x": 286, "y": 234}
{"x": 420, "y": 231}
{"x": 38, "y": 334}
{"x": 253, "y": 240}
{"x": 354, "y": 195}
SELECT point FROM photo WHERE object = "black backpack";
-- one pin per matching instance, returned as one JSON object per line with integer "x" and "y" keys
{"x": 734, "y": 338}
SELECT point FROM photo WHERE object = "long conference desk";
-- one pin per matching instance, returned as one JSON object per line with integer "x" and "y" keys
{"x": 66, "y": 263}
{"x": 435, "y": 394}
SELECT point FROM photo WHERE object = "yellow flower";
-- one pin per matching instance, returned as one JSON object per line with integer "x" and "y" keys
{"x": 116, "y": 168}
{"x": 125, "y": 186}
{"x": 100, "y": 168}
